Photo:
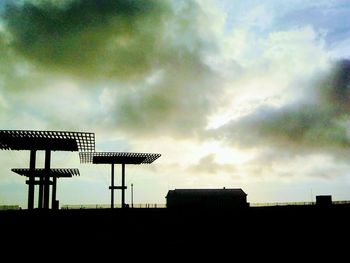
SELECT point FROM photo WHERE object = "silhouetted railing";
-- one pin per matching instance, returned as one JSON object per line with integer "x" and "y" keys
{"x": 104, "y": 206}
{"x": 99, "y": 206}
{"x": 146, "y": 205}
{"x": 294, "y": 203}
{"x": 340, "y": 202}
{"x": 10, "y": 207}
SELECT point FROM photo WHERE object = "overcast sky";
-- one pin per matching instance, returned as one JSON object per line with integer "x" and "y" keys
{"x": 236, "y": 94}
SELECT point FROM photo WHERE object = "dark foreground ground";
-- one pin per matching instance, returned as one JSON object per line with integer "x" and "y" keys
{"x": 292, "y": 231}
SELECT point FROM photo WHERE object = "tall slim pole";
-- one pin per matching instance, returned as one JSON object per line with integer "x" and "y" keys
{"x": 47, "y": 179}
{"x": 123, "y": 185}
{"x": 31, "y": 186}
{"x": 54, "y": 189}
{"x": 112, "y": 187}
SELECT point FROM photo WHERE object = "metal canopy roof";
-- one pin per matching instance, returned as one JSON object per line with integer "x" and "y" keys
{"x": 118, "y": 157}
{"x": 47, "y": 140}
{"x": 66, "y": 172}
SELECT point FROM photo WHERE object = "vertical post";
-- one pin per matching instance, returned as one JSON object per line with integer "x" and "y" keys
{"x": 53, "y": 197}
{"x": 41, "y": 192}
{"x": 132, "y": 196}
{"x": 123, "y": 185}
{"x": 31, "y": 186}
{"x": 47, "y": 179}
{"x": 112, "y": 186}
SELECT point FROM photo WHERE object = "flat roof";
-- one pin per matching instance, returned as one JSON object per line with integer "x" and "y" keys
{"x": 206, "y": 192}
{"x": 47, "y": 140}
{"x": 40, "y": 172}
{"x": 118, "y": 157}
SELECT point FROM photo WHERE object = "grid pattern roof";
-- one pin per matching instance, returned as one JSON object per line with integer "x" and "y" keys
{"x": 61, "y": 172}
{"x": 47, "y": 140}
{"x": 118, "y": 157}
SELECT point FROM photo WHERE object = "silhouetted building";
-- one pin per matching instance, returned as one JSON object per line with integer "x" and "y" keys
{"x": 207, "y": 198}
{"x": 323, "y": 200}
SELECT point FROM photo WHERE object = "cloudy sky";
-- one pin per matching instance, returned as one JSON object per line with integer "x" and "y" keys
{"x": 237, "y": 94}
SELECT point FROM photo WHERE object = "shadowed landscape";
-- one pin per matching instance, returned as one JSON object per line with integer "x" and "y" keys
{"x": 289, "y": 228}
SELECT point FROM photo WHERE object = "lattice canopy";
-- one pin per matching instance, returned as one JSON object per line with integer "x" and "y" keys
{"x": 47, "y": 140}
{"x": 62, "y": 172}
{"x": 118, "y": 157}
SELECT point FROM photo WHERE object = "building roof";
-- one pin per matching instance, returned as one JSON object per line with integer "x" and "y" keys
{"x": 207, "y": 192}
{"x": 118, "y": 157}
{"x": 66, "y": 172}
{"x": 47, "y": 140}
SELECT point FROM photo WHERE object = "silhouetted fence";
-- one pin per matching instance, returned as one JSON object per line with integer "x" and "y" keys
{"x": 98, "y": 206}
{"x": 10, "y": 207}
{"x": 103, "y": 206}
{"x": 294, "y": 203}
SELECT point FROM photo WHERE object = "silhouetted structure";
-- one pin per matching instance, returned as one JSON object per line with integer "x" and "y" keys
{"x": 43, "y": 173}
{"x": 323, "y": 200}
{"x": 46, "y": 141}
{"x": 207, "y": 198}
{"x": 118, "y": 158}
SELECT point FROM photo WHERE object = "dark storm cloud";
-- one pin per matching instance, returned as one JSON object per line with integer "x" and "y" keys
{"x": 176, "y": 98}
{"x": 121, "y": 43}
{"x": 90, "y": 38}
{"x": 15, "y": 72}
{"x": 335, "y": 88}
{"x": 320, "y": 124}
{"x": 177, "y": 104}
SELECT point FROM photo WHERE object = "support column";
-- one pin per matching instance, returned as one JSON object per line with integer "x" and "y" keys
{"x": 31, "y": 186}
{"x": 123, "y": 185}
{"x": 53, "y": 197}
{"x": 47, "y": 179}
{"x": 41, "y": 192}
{"x": 112, "y": 186}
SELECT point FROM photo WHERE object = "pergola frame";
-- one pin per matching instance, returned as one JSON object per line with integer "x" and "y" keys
{"x": 122, "y": 158}
{"x": 43, "y": 173}
{"x": 47, "y": 141}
